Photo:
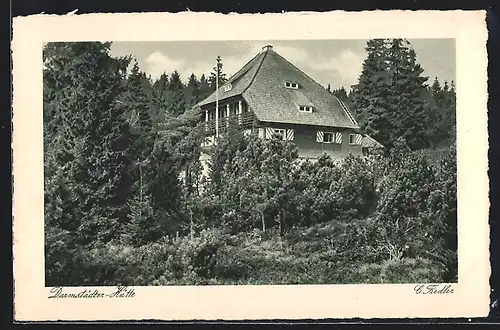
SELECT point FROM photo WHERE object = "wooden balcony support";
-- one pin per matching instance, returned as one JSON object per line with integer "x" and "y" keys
{"x": 243, "y": 120}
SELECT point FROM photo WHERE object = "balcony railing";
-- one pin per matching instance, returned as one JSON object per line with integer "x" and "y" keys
{"x": 244, "y": 120}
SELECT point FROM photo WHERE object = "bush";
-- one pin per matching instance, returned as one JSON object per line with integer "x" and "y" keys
{"x": 63, "y": 262}
{"x": 406, "y": 270}
{"x": 167, "y": 261}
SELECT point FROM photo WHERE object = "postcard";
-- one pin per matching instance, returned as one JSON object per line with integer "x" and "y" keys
{"x": 203, "y": 166}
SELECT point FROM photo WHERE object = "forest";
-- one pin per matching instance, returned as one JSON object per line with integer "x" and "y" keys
{"x": 125, "y": 204}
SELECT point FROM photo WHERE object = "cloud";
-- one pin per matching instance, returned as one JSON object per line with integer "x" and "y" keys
{"x": 158, "y": 63}
{"x": 347, "y": 65}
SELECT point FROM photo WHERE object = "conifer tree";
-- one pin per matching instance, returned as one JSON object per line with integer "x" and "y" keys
{"x": 388, "y": 99}
{"x": 92, "y": 138}
{"x": 176, "y": 100}
{"x": 192, "y": 91}
{"x": 205, "y": 89}
{"x": 406, "y": 103}
{"x": 369, "y": 96}
{"x": 160, "y": 97}
{"x": 341, "y": 93}
{"x": 217, "y": 72}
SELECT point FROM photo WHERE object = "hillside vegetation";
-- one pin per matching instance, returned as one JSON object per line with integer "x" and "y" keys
{"x": 125, "y": 204}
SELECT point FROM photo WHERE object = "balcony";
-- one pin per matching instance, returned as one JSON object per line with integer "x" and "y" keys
{"x": 243, "y": 120}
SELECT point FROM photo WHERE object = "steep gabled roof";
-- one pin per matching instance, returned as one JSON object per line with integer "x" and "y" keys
{"x": 261, "y": 82}
{"x": 239, "y": 81}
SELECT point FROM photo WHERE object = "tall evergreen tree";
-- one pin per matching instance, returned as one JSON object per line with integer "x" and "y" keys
{"x": 137, "y": 99}
{"x": 369, "y": 96}
{"x": 160, "y": 98}
{"x": 205, "y": 89}
{"x": 176, "y": 99}
{"x": 405, "y": 101}
{"x": 217, "y": 72}
{"x": 388, "y": 99}
{"x": 192, "y": 91}
{"x": 90, "y": 158}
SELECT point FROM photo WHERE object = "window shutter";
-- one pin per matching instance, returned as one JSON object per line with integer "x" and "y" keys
{"x": 319, "y": 136}
{"x": 289, "y": 134}
{"x": 269, "y": 133}
{"x": 359, "y": 137}
{"x": 338, "y": 138}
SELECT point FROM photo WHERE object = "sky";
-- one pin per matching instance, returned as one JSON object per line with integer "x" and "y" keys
{"x": 334, "y": 62}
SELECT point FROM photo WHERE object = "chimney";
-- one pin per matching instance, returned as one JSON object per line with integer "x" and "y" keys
{"x": 267, "y": 47}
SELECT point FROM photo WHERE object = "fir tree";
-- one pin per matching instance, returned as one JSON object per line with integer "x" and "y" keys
{"x": 341, "y": 93}
{"x": 369, "y": 96}
{"x": 388, "y": 99}
{"x": 192, "y": 91}
{"x": 205, "y": 89}
{"x": 92, "y": 138}
{"x": 406, "y": 103}
{"x": 217, "y": 72}
{"x": 176, "y": 99}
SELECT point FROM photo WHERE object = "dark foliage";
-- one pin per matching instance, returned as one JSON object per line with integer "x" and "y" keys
{"x": 125, "y": 202}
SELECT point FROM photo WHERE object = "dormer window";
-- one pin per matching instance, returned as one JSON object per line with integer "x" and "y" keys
{"x": 305, "y": 108}
{"x": 292, "y": 85}
{"x": 228, "y": 87}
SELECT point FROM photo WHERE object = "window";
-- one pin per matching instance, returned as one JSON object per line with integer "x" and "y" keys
{"x": 281, "y": 132}
{"x": 292, "y": 85}
{"x": 304, "y": 108}
{"x": 284, "y": 134}
{"x": 228, "y": 87}
{"x": 329, "y": 137}
{"x": 211, "y": 115}
{"x": 354, "y": 139}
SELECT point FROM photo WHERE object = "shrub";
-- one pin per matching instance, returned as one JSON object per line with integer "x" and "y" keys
{"x": 63, "y": 263}
{"x": 198, "y": 255}
{"x": 405, "y": 270}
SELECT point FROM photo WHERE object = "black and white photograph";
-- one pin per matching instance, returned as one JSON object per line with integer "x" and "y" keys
{"x": 250, "y": 162}
{"x": 294, "y": 165}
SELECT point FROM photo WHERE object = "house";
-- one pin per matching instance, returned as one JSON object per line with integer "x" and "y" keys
{"x": 270, "y": 95}
{"x": 368, "y": 144}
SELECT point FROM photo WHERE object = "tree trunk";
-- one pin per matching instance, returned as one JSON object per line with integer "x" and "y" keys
{"x": 263, "y": 221}
{"x": 191, "y": 224}
{"x": 282, "y": 223}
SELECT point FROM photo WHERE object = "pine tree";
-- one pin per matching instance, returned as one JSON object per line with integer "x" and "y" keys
{"x": 217, "y": 72}
{"x": 341, "y": 93}
{"x": 451, "y": 114}
{"x": 176, "y": 99}
{"x": 328, "y": 88}
{"x": 205, "y": 89}
{"x": 90, "y": 154}
{"x": 192, "y": 91}
{"x": 369, "y": 96}
{"x": 138, "y": 100}
{"x": 406, "y": 103}
{"x": 160, "y": 97}
{"x": 388, "y": 99}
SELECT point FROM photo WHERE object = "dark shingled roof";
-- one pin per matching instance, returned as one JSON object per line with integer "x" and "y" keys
{"x": 261, "y": 82}
{"x": 369, "y": 142}
{"x": 239, "y": 81}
